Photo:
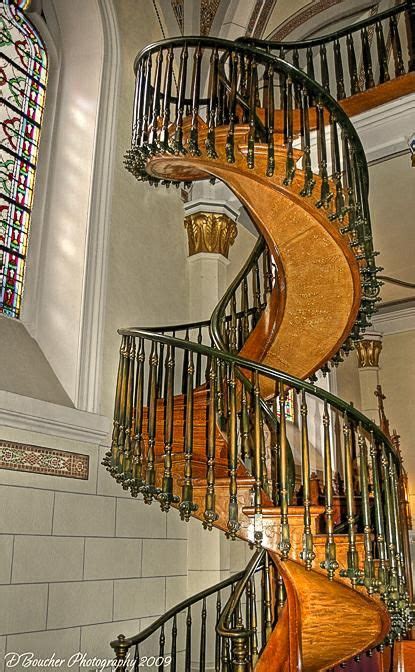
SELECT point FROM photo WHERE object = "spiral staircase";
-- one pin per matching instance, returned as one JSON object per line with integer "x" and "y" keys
{"x": 200, "y": 409}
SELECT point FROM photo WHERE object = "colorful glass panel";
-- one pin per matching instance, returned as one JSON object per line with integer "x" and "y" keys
{"x": 23, "y": 76}
{"x": 289, "y": 406}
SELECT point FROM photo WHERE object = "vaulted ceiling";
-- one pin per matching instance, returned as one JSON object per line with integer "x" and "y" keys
{"x": 276, "y": 19}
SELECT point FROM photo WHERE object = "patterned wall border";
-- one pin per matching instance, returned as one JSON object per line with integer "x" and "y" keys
{"x": 37, "y": 460}
{"x": 301, "y": 17}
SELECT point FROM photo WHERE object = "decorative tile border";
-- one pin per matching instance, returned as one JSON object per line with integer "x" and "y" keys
{"x": 37, "y": 460}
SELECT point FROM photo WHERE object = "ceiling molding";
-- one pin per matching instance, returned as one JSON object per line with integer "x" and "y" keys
{"x": 395, "y": 322}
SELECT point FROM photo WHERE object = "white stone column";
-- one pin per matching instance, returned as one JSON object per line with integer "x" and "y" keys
{"x": 368, "y": 352}
{"x": 211, "y": 230}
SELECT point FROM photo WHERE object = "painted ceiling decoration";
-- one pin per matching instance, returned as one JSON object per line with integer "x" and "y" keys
{"x": 259, "y": 17}
{"x": 208, "y": 9}
{"x": 300, "y": 17}
{"x": 178, "y": 9}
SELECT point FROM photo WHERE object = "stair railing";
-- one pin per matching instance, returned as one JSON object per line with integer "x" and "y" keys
{"x": 356, "y": 58}
{"x": 169, "y": 642}
{"x": 178, "y": 470}
{"x": 175, "y": 112}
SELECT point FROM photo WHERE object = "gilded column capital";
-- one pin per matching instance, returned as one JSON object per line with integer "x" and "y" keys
{"x": 368, "y": 351}
{"x": 210, "y": 232}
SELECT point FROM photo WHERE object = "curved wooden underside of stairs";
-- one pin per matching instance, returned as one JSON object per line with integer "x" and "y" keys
{"x": 318, "y": 289}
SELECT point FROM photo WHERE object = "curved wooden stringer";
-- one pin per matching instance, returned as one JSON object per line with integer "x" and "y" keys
{"x": 322, "y": 623}
{"x": 319, "y": 288}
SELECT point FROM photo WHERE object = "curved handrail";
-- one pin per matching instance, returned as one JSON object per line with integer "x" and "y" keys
{"x": 222, "y": 627}
{"x": 264, "y": 370}
{"x": 181, "y": 606}
{"x": 331, "y": 37}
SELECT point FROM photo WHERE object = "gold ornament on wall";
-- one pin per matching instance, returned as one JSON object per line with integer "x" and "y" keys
{"x": 368, "y": 353}
{"x": 210, "y": 232}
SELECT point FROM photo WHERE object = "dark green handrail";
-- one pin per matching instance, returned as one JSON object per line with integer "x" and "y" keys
{"x": 263, "y": 370}
{"x": 331, "y": 37}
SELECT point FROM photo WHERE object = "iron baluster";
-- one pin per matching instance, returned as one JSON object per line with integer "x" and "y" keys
{"x": 254, "y": 624}
{"x": 396, "y": 525}
{"x": 310, "y": 63}
{"x": 352, "y": 570}
{"x": 339, "y": 203}
{"x": 369, "y": 577}
{"x": 202, "y": 654}
{"x": 392, "y": 593}
{"x": 217, "y": 636}
{"x": 153, "y": 129}
{"x": 137, "y": 109}
{"x": 269, "y": 121}
{"x": 257, "y": 463}
{"x": 330, "y": 563}
{"x": 307, "y": 554}
{"x": 290, "y": 163}
{"x": 199, "y": 360}
{"x": 367, "y": 59}
{"x": 267, "y": 617}
{"x": 244, "y": 427}
{"x": 250, "y": 158}
{"x": 177, "y": 143}
{"x": 410, "y": 32}
{"x": 284, "y": 544}
{"x": 351, "y": 55}
{"x": 188, "y": 644}
{"x": 396, "y": 46}
{"x": 126, "y": 454}
{"x": 123, "y": 407}
{"x": 325, "y": 79}
{"x": 185, "y": 367}
{"x": 212, "y": 104}
{"x": 137, "y": 461}
{"x": 382, "y": 578}
{"x": 210, "y": 515}
{"x": 194, "y": 130}
{"x": 244, "y": 309}
{"x": 162, "y": 643}
{"x": 111, "y": 455}
{"x": 325, "y": 193}
{"x": 274, "y": 454}
{"x": 168, "y": 80}
{"x": 309, "y": 181}
{"x": 233, "y": 326}
{"x": 229, "y": 148}
{"x": 166, "y": 496}
{"x": 146, "y": 103}
{"x": 338, "y": 69}
{"x": 174, "y": 645}
{"x": 382, "y": 54}
{"x": 233, "y": 523}
{"x": 149, "y": 488}
{"x": 187, "y": 506}
{"x": 160, "y": 372}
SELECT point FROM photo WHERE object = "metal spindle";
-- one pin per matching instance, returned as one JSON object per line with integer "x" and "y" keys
{"x": 137, "y": 465}
{"x": 113, "y": 454}
{"x": 284, "y": 544}
{"x": 210, "y": 515}
{"x": 367, "y": 528}
{"x": 396, "y": 46}
{"x": 330, "y": 563}
{"x": 181, "y": 93}
{"x": 252, "y": 106}
{"x": 149, "y": 488}
{"x": 218, "y": 640}
{"x": 168, "y": 80}
{"x": 188, "y": 644}
{"x": 267, "y": 605}
{"x": 152, "y": 138}
{"x": 307, "y": 554}
{"x": 229, "y": 148}
{"x": 379, "y": 519}
{"x": 194, "y": 129}
{"x": 212, "y": 104}
{"x": 187, "y": 506}
{"x": 138, "y": 105}
{"x": 269, "y": 120}
{"x": 367, "y": 59}
{"x": 199, "y": 359}
{"x": 325, "y": 193}
{"x": 257, "y": 463}
{"x": 339, "y": 204}
{"x": 382, "y": 54}
{"x": 352, "y": 556}
{"x": 290, "y": 163}
{"x": 166, "y": 496}
{"x": 233, "y": 523}
{"x": 351, "y": 55}
{"x": 174, "y": 645}
{"x": 338, "y": 69}
{"x": 146, "y": 101}
{"x": 324, "y": 68}
{"x": 162, "y": 644}
{"x": 309, "y": 181}
{"x": 202, "y": 654}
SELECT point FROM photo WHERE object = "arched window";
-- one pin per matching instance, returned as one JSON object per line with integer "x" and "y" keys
{"x": 23, "y": 75}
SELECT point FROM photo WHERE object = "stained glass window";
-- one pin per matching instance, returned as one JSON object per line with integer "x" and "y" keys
{"x": 23, "y": 75}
